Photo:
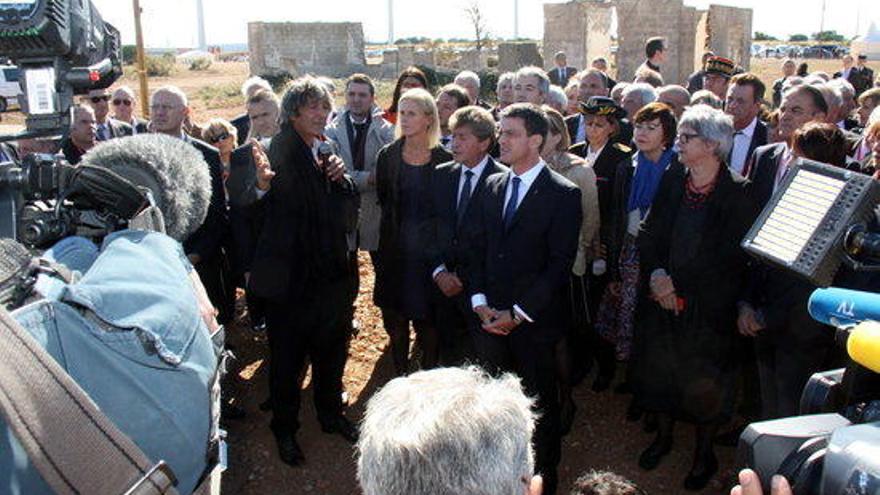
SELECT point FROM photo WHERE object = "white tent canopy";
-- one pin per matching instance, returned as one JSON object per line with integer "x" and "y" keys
{"x": 869, "y": 43}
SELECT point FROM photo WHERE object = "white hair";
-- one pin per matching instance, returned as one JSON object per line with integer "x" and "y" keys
{"x": 874, "y": 117}
{"x": 173, "y": 90}
{"x": 125, "y": 89}
{"x": 507, "y": 77}
{"x": 251, "y": 84}
{"x": 711, "y": 125}
{"x": 557, "y": 98}
{"x": 467, "y": 75}
{"x": 645, "y": 92}
{"x": 447, "y": 431}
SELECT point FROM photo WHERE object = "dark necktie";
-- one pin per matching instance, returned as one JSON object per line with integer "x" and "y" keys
{"x": 360, "y": 142}
{"x": 510, "y": 210}
{"x": 465, "y": 196}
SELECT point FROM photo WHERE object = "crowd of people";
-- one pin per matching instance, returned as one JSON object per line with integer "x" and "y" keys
{"x": 577, "y": 221}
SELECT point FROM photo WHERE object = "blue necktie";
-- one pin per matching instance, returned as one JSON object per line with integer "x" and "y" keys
{"x": 465, "y": 196}
{"x": 510, "y": 210}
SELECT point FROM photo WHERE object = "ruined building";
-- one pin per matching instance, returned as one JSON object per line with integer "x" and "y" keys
{"x": 333, "y": 49}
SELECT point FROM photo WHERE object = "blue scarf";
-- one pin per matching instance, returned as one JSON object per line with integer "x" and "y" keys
{"x": 646, "y": 181}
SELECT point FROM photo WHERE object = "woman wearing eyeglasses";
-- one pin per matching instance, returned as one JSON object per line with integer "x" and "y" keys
{"x": 123, "y": 103}
{"x": 222, "y": 135}
{"x": 693, "y": 274}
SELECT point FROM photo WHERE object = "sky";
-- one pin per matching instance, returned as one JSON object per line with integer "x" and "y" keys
{"x": 172, "y": 23}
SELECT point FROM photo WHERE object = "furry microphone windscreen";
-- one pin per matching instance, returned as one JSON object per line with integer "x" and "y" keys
{"x": 172, "y": 169}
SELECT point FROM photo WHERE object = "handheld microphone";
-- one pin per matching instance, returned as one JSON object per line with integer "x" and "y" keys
{"x": 173, "y": 171}
{"x": 863, "y": 345}
{"x": 843, "y": 307}
{"x": 324, "y": 152}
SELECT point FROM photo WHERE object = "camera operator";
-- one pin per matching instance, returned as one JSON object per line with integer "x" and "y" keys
{"x": 301, "y": 265}
{"x": 109, "y": 330}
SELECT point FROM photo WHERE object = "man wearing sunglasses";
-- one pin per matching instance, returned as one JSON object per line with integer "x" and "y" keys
{"x": 108, "y": 128}
{"x": 123, "y": 110}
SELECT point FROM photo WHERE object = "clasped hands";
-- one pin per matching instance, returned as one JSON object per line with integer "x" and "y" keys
{"x": 496, "y": 322}
{"x": 663, "y": 291}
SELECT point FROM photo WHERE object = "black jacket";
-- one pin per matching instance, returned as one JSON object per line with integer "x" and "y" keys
{"x": 448, "y": 246}
{"x": 117, "y": 129}
{"x": 72, "y": 153}
{"x": 302, "y": 243}
{"x": 242, "y": 125}
{"x": 388, "y": 271}
{"x": 529, "y": 264}
{"x": 207, "y": 240}
{"x": 553, "y": 75}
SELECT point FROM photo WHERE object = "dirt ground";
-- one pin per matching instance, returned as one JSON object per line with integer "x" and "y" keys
{"x": 600, "y": 438}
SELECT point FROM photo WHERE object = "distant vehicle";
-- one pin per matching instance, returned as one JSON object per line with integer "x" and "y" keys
{"x": 10, "y": 90}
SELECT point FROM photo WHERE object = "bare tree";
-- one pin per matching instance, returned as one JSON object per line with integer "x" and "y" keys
{"x": 478, "y": 21}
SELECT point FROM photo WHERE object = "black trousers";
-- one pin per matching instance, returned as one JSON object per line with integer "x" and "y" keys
{"x": 534, "y": 361}
{"x": 454, "y": 321}
{"x": 787, "y": 356}
{"x": 317, "y": 327}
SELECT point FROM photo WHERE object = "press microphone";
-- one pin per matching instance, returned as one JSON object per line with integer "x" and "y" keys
{"x": 863, "y": 345}
{"x": 843, "y": 307}
{"x": 324, "y": 152}
{"x": 172, "y": 170}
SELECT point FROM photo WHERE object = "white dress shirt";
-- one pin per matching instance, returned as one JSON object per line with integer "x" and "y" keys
{"x": 593, "y": 155}
{"x": 478, "y": 172}
{"x": 742, "y": 140}
{"x": 526, "y": 181}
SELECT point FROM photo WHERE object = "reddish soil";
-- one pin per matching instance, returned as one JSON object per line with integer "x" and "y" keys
{"x": 600, "y": 438}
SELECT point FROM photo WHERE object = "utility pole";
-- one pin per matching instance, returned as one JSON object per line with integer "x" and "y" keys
{"x": 515, "y": 19}
{"x": 390, "y": 22}
{"x": 822, "y": 21}
{"x": 200, "y": 15}
{"x": 141, "y": 63}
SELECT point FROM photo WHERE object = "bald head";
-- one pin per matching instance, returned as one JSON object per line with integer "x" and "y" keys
{"x": 676, "y": 97}
{"x": 168, "y": 109}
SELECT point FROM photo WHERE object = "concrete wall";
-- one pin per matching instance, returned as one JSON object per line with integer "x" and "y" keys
{"x": 512, "y": 56}
{"x": 326, "y": 48}
{"x": 730, "y": 33}
{"x": 580, "y": 29}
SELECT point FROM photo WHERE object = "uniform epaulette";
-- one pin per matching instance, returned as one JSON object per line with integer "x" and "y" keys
{"x": 622, "y": 147}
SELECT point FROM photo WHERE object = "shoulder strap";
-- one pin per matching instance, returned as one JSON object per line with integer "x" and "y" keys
{"x": 73, "y": 445}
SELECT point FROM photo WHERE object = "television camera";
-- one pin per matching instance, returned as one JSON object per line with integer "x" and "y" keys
{"x": 821, "y": 218}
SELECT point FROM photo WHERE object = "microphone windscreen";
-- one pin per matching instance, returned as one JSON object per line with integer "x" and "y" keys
{"x": 842, "y": 307}
{"x": 171, "y": 168}
{"x": 863, "y": 345}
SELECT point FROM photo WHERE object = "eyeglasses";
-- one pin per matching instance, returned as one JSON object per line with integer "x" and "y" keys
{"x": 116, "y": 103}
{"x": 684, "y": 138}
{"x": 217, "y": 139}
{"x": 98, "y": 99}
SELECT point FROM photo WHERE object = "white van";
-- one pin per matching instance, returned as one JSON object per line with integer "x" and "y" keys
{"x": 10, "y": 90}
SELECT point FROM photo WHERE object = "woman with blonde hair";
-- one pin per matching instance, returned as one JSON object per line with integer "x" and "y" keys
{"x": 572, "y": 167}
{"x": 404, "y": 170}
{"x": 221, "y": 134}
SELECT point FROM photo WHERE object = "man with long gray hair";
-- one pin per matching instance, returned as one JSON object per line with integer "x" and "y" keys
{"x": 448, "y": 431}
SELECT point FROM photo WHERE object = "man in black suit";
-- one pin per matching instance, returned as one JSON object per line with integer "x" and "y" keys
{"x": 848, "y": 72}
{"x": 82, "y": 135}
{"x": 249, "y": 88}
{"x": 452, "y": 189}
{"x": 601, "y": 64}
{"x": 204, "y": 247}
{"x": 301, "y": 266}
{"x": 866, "y": 76}
{"x": 744, "y": 96}
{"x": 790, "y": 346}
{"x": 524, "y": 247}
{"x": 561, "y": 72}
{"x": 108, "y": 128}
{"x": 123, "y": 110}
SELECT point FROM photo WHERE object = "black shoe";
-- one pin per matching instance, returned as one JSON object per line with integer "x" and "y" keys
{"x": 566, "y": 416}
{"x": 266, "y": 405}
{"x": 655, "y": 452}
{"x": 602, "y": 383}
{"x": 288, "y": 449}
{"x": 343, "y": 427}
{"x": 702, "y": 471}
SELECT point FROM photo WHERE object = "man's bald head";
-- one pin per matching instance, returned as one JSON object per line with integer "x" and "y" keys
{"x": 168, "y": 109}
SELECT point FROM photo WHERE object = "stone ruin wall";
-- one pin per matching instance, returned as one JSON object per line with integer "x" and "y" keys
{"x": 335, "y": 49}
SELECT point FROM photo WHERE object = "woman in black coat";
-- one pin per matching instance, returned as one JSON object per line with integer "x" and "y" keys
{"x": 693, "y": 271}
{"x": 404, "y": 170}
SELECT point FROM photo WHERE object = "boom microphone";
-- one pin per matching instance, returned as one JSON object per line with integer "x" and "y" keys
{"x": 843, "y": 307}
{"x": 173, "y": 171}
